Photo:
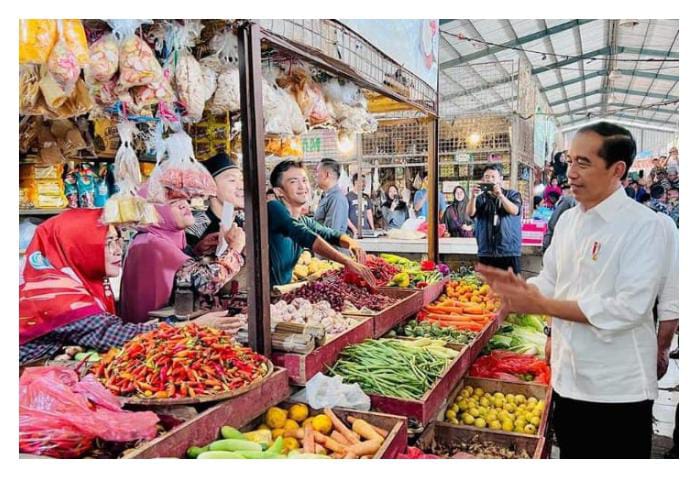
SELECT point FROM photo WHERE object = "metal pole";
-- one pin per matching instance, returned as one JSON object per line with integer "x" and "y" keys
{"x": 433, "y": 190}
{"x": 253, "y": 165}
{"x": 360, "y": 213}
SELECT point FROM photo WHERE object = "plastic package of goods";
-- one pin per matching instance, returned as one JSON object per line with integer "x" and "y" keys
{"x": 29, "y": 91}
{"x": 180, "y": 175}
{"x": 347, "y": 93}
{"x": 103, "y": 59}
{"x": 136, "y": 61}
{"x": 36, "y": 39}
{"x": 86, "y": 189}
{"x": 209, "y": 79}
{"x": 227, "y": 94}
{"x": 191, "y": 86}
{"x": 41, "y": 172}
{"x": 60, "y": 416}
{"x": 307, "y": 93}
{"x": 72, "y": 32}
{"x": 275, "y": 110}
{"x": 71, "y": 190}
{"x": 63, "y": 66}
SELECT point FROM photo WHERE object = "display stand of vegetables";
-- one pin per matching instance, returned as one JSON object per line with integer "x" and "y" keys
{"x": 415, "y": 329}
{"x": 179, "y": 361}
{"x": 415, "y": 274}
{"x": 383, "y": 272}
{"x": 520, "y": 333}
{"x": 293, "y": 434}
{"x": 510, "y": 413}
{"x": 394, "y": 368}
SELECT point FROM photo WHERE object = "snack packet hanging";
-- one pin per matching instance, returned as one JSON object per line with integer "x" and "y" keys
{"x": 136, "y": 61}
{"x": 180, "y": 175}
{"x": 126, "y": 165}
{"x": 72, "y": 32}
{"x": 103, "y": 60}
{"x": 36, "y": 39}
{"x": 63, "y": 66}
{"x": 187, "y": 72}
{"x": 306, "y": 92}
{"x": 224, "y": 62}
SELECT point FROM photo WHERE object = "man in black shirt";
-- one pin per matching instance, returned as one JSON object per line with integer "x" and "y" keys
{"x": 367, "y": 207}
{"x": 202, "y": 237}
{"x": 559, "y": 165}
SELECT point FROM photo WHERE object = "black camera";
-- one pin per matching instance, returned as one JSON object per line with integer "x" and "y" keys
{"x": 486, "y": 187}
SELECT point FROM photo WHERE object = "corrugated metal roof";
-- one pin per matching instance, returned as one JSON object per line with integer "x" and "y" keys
{"x": 572, "y": 60}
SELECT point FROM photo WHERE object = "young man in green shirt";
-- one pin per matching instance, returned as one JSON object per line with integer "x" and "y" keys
{"x": 290, "y": 232}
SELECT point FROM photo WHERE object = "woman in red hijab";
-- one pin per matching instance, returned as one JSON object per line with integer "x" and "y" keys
{"x": 65, "y": 298}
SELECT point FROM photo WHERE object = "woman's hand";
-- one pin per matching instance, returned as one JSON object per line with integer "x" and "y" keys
{"x": 220, "y": 320}
{"x": 235, "y": 237}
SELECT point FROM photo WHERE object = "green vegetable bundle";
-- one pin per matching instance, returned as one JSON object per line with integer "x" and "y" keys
{"x": 520, "y": 333}
{"x": 391, "y": 368}
{"x": 414, "y": 329}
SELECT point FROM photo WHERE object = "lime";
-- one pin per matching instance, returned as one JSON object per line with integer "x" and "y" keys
{"x": 495, "y": 425}
{"x": 480, "y": 423}
{"x": 468, "y": 419}
{"x": 507, "y": 426}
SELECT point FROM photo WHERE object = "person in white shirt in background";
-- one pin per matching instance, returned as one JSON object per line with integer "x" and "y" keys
{"x": 599, "y": 282}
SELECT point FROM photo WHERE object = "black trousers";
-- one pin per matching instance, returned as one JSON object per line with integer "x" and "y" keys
{"x": 590, "y": 430}
{"x": 502, "y": 262}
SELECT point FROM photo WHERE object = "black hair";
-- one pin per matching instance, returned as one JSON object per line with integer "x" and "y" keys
{"x": 493, "y": 166}
{"x": 270, "y": 191}
{"x": 657, "y": 191}
{"x": 553, "y": 197}
{"x": 644, "y": 197}
{"x": 280, "y": 169}
{"x": 618, "y": 144}
{"x": 630, "y": 192}
{"x": 331, "y": 165}
{"x": 354, "y": 177}
{"x": 557, "y": 156}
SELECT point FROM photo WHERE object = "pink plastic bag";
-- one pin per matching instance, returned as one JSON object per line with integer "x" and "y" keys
{"x": 60, "y": 416}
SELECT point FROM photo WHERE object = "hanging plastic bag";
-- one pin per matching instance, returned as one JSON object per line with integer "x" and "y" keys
{"x": 275, "y": 110}
{"x": 103, "y": 59}
{"x": 29, "y": 91}
{"x": 36, "y": 39}
{"x": 136, "y": 61}
{"x": 72, "y": 32}
{"x": 224, "y": 62}
{"x": 180, "y": 175}
{"x": 187, "y": 72}
{"x": 343, "y": 92}
{"x": 59, "y": 416}
{"x": 127, "y": 207}
{"x": 209, "y": 72}
{"x": 63, "y": 66}
{"x": 307, "y": 93}
{"x": 328, "y": 392}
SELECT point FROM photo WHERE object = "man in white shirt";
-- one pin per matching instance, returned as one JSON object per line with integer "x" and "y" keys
{"x": 599, "y": 282}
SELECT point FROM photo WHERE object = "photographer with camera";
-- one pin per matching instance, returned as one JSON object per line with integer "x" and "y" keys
{"x": 498, "y": 221}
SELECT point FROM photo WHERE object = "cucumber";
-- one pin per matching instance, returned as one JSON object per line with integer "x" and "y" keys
{"x": 231, "y": 433}
{"x": 248, "y": 454}
{"x": 233, "y": 445}
{"x": 194, "y": 452}
{"x": 220, "y": 454}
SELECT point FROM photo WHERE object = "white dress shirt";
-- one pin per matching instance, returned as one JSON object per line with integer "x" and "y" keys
{"x": 610, "y": 261}
{"x": 667, "y": 307}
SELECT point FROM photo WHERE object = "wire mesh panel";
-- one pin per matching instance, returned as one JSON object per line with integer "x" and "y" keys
{"x": 338, "y": 43}
{"x": 476, "y": 89}
{"x": 396, "y": 140}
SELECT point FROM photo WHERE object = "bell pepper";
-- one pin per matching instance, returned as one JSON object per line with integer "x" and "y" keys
{"x": 402, "y": 279}
{"x": 428, "y": 265}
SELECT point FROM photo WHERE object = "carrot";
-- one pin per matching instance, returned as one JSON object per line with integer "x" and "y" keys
{"x": 318, "y": 448}
{"x": 341, "y": 427}
{"x": 351, "y": 455}
{"x": 364, "y": 429}
{"x": 379, "y": 430}
{"x": 338, "y": 437}
{"x": 309, "y": 443}
{"x": 329, "y": 443}
{"x": 365, "y": 448}
{"x": 451, "y": 317}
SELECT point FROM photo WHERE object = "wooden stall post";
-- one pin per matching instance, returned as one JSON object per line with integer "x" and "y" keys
{"x": 253, "y": 165}
{"x": 433, "y": 190}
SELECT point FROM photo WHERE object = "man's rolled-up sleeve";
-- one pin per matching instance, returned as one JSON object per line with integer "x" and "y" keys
{"x": 639, "y": 279}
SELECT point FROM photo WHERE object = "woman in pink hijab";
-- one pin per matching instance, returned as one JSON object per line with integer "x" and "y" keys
{"x": 156, "y": 259}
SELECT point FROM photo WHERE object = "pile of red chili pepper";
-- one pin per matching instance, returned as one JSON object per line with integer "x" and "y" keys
{"x": 178, "y": 362}
{"x": 383, "y": 272}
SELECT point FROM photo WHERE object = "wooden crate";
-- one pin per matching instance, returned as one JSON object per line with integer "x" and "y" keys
{"x": 539, "y": 391}
{"x": 433, "y": 291}
{"x": 484, "y": 336}
{"x": 431, "y": 403}
{"x": 395, "y": 442}
{"x": 206, "y": 426}
{"x": 447, "y": 434}
{"x": 410, "y": 302}
{"x": 300, "y": 368}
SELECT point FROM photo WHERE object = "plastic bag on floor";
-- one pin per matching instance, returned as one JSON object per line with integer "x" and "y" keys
{"x": 59, "y": 416}
{"x": 327, "y": 392}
